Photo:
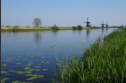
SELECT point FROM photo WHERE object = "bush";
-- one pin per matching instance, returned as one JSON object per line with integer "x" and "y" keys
{"x": 79, "y": 27}
{"x": 16, "y": 26}
{"x": 27, "y": 26}
{"x": 15, "y": 29}
{"x": 55, "y": 27}
{"x": 8, "y": 26}
{"x": 75, "y": 28}
{"x": 120, "y": 27}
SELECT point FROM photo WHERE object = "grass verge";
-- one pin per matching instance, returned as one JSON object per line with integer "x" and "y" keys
{"x": 104, "y": 62}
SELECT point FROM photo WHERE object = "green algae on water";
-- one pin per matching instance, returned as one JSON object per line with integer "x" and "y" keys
{"x": 37, "y": 69}
{"x": 44, "y": 69}
{"x": 4, "y": 65}
{"x": 37, "y": 66}
{"x": 26, "y": 68}
{"x": 19, "y": 63}
{"x": 46, "y": 62}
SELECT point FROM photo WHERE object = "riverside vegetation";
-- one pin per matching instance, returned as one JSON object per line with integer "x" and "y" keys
{"x": 9, "y": 28}
{"x": 104, "y": 62}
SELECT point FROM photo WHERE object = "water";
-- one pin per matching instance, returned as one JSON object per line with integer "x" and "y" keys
{"x": 20, "y": 46}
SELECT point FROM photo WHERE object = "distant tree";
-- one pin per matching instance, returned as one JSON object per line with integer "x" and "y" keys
{"x": 37, "y": 22}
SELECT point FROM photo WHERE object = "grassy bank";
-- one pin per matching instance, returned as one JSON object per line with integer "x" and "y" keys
{"x": 10, "y": 29}
{"x": 104, "y": 62}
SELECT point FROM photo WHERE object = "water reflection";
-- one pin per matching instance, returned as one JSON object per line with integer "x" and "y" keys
{"x": 106, "y": 30}
{"x": 37, "y": 37}
{"x": 55, "y": 32}
{"x": 79, "y": 32}
{"x": 88, "y": 32}
{"x": 102, "y": 30}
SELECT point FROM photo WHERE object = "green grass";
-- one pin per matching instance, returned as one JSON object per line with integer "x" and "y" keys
{"x": 104, "y": 62}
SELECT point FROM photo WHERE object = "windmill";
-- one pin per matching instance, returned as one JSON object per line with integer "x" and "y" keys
{"x": 88, "y": 23}
{"x": 122, "y": 25}
{"x": 106, "y": 24}
{"x": 102, "y": 24}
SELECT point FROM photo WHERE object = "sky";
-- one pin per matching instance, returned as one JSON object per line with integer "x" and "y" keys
{"x": 63, "y": 12}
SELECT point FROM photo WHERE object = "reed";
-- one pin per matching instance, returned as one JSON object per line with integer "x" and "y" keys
{"x": 103, "y": 62}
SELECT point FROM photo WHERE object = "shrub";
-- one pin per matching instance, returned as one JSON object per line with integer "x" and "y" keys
{"x": 75, "y": 28}
{"x": 120, "y": 27}
{"x": 15, "y": 29}
{"x": 55, "y": 27}
{"x": 16, "y": 26}
{"x": 79, "y": 27}
{"x": 8, "y": 26}
{"x": 27, "y": 26}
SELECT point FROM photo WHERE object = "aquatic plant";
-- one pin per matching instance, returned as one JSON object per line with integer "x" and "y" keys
{"x": 100, "y": 63}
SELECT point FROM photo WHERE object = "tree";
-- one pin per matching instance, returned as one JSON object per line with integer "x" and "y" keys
{"x": 37, "y": 22}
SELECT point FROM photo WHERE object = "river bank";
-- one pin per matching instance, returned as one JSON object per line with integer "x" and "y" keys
{"x": 9, "y": 29}
{"x": 104, "y": 62}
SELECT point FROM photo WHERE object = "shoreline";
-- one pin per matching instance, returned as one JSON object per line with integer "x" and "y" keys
{"x": 4, "y": 29}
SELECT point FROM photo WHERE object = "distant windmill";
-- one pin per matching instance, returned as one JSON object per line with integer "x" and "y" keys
{"x": 102, "y": 24}
{"x": 122, "y": 25}
{"x": 88, "y": 23}
{"x": 106, "y": 24}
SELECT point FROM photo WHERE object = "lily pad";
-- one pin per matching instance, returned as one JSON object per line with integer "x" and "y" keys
{"x": 29, "y": 79}
{"x": 28, "y": 74}
{"x": 28, "y": 71}
{"x": 10, "y": 61}
{"x": 29, "y": 64}
{"x": 37, "y": 69}
{"x": 2, "y": 71}
{"x": 37, "y": 66}
{"x": 26, "y": 68}
{"x": 17, "y": 81}
{"x": 40, "y": 76}
{"x": 44, "y": 69}
{"x": 23, "y": 82}
{"x": 20, "y": 72}
{"x": 3, "y": 79}
{"x": 31, "y": 70}
{"x": 19, "y": 63}
{"x": 19, "y": 56}
{"x": 11, "y": 71}
{"x": 34, "y": 77}
{"x": 42, "y": 57}
{"x": 32, "y": 53}
{"x": 4, "y": 65}
{"x": 41, "y": 61}
{"x": 54, "y": 53}
{"x": 46, "y": 62}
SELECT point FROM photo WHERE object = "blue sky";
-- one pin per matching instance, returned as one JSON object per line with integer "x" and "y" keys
{"x": 63, "y": 12}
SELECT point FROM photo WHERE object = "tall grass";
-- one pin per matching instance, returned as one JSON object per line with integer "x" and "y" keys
{"x": 104, "y": 62}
